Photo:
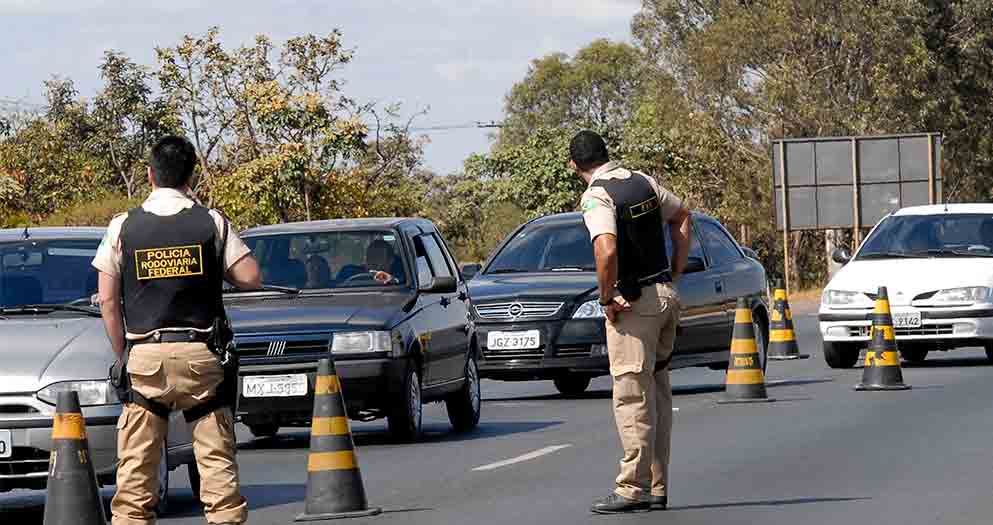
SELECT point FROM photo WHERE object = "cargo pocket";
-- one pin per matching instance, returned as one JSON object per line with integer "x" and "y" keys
{"x": 147, "y": 377}
{"x": 626, "y": 353}
{"x": 205, "y": 376}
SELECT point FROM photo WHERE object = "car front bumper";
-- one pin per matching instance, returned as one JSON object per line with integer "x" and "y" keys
{"x": 951, "y": 327}
{"x": 31, "y": 433}
{"x": 365, "y": 384}
{"x": 565, "y": 346}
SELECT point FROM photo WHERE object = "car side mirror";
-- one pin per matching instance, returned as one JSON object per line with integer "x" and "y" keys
{"x": 470, "y": 270}
{"x": 750, "y": 253}
{"x": 441, "y": 285}
{"x": 841, "y": 255}
{"x": 694, "y": 265}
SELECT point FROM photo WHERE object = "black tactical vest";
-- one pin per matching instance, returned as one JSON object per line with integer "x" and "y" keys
{"x": 640, "y": 231}
{"x": 172, "y": 270}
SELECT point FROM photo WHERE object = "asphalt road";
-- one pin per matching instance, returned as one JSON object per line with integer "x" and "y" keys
{"x": 822, "y": 453}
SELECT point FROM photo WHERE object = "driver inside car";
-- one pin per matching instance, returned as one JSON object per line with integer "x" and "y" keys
{"x": 383, "y": 263}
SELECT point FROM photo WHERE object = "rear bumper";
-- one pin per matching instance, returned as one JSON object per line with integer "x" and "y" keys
{"x": 32, "y": 440}
{"x": 949, "y": 327}
{"x": 366, "y": 384}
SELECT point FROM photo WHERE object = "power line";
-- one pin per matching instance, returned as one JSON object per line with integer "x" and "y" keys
{"x": 473, "y": 125}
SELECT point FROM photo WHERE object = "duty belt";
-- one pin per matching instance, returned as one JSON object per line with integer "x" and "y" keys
{"x": 659, "y": 278}
{"x": 184, "y": 336}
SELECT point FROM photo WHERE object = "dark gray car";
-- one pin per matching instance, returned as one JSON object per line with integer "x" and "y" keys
{"x": 53, "y": 340}
{"x": 536, "y": 313}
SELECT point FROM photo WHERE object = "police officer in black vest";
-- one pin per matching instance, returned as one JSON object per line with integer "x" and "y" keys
{"x": 628, "y": 215}
{"x": 161, "y": 269}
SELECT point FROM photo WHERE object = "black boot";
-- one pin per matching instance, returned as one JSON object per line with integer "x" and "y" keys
{"x": 615, "y": 504}
{"x": 659, "y": 502}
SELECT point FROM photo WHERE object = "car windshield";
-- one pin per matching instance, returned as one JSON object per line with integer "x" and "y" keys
{"x": 52, "y": 272}
{"x": 950, "y": 235}
{"x": 546, "y": 248}
{"x": 323, "y": 260}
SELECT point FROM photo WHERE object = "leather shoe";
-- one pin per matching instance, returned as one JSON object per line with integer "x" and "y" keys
{"x": 659, "y": 502}
{"x": 615, "y": 504}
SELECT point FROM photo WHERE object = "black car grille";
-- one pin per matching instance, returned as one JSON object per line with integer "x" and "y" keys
{"x": 518, "y": 311}
{"x": 24, "y": 461}
{"x": 17, "y": 409}
{"x": 279, "y": 349}
{"x": 539, "y": 353}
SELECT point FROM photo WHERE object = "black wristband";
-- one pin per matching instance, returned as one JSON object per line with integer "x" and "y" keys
{"x": 605, "y": 303}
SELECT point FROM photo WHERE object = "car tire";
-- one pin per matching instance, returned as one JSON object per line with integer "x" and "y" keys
{"x": 989, "y": 352}
{"x": 572, "y": 384}
{"x": 263, "y": 430}
{"x": 761, "y": 329}
{"x": 465, "y": 406}
{"x": 914, "y": 355}
{"x": 162, "y": 507}
{"x": 841, "y": 355}
{"x": 405, "y": 417}
{"x": 193, "y": 471}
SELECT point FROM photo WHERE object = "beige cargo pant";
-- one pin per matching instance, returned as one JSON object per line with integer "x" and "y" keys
{"x": 643, "y": 397}
{"x": 179, "y": 375}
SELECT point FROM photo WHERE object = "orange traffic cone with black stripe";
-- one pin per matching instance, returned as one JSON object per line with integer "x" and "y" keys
{"x": 882, "y": 362}
{"x": 782, "y": 339}
{"x": 72, "y": 496}
{"x": 745, "y": 380}
{"x": 334, "y": 483}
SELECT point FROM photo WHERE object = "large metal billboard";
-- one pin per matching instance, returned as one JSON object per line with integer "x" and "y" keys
{"x": 852, "y": 182}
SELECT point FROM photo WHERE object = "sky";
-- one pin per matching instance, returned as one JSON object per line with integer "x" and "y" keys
{"x": 456, "y": 59}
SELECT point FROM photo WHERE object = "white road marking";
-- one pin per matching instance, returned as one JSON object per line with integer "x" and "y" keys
{"x": 524, "y": 457}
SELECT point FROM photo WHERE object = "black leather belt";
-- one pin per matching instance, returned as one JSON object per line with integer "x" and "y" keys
{"x": 185, "y": 336}
{"x": 659, "y": 278}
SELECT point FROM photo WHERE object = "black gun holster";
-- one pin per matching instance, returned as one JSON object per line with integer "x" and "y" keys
{"x": 221, "y": 344}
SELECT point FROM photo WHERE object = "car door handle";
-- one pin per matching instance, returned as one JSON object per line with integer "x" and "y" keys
{"x": 719, "y": 286}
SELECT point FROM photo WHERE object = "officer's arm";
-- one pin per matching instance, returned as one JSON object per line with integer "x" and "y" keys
{"x": 679, "y": 229}
{"x": 109, "y": 288}
{"x": 605, "y": 251}
{"x": 245, "y": 274}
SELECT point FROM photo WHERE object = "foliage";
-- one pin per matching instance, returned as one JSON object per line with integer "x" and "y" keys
{"x": 98, "y": 210}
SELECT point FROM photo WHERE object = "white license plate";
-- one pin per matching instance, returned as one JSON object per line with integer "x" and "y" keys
{"x": 6, "y": 444}
{"x": 528, "y": 340}
{"x": 907, "y": 320}
{"x": 290, "y": 385}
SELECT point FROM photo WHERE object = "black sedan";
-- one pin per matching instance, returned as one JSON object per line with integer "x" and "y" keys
{"x": 536, "y": 315}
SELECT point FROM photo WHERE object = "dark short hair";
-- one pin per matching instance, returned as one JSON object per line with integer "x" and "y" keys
{"x": 173, "y": 160}
{"x": 588, "y": 150}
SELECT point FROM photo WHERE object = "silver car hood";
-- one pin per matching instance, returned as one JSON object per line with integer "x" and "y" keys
{"x": 38, "y": 351}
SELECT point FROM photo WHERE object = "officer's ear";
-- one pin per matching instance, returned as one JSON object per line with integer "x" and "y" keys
{"x": 151, "y": 177}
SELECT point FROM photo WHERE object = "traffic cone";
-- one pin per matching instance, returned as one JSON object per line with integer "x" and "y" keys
{"x": 882, "y": 362}
{"x": 745, "y": 380}
{"x": 72, "y": 496}
{"x": 782, "y": 339}
{"x": 334, "y": 483}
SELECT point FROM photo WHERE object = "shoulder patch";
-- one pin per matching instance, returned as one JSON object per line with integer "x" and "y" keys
{"x": 590, "y": 204}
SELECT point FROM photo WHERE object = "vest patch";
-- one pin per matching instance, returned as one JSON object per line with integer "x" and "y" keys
{"x": 162, "y": 263}
{"x": 642, "y": 208}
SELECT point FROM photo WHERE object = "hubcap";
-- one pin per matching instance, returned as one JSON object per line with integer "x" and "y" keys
{"x": 473, "y": 378}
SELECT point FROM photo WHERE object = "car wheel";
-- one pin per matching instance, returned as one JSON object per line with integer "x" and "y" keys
{"x": 404, "y": 419}
{"x": 989, "y": 352}
{"x": 162, "y": 507}
{"x": 465, "y": 405}
{"x": 572, "y": 385}
{"x": 841, "y": 355}
{"x": 264, "y": 430}
{"x": 194, "y": 473}
{"x": 914, "y": 355}
{"x": 761, "y": 329}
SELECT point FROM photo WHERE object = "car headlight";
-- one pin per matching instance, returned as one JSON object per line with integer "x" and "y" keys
{"x": 589, "y": 310}
{"x": 843, "y": 298}
{"x": 91, "y": 393}
{"x": 361, "y": 342}
{"x": 967, "y": 295}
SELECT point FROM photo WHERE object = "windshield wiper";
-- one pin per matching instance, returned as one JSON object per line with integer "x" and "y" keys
{"x": 508, "y": 270}
{"x": 266, "y": 288}
{"x": 889, "y": 255}
{"x": 49, "y": 308}
{"x": 945, "y": 252}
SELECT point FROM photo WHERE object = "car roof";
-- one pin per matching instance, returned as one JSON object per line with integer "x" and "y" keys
{"x": 941, "y": 209}
{"x": 52, "y": 233}
{"x": 573, "y": 216}
{"x": 339, "y": 225}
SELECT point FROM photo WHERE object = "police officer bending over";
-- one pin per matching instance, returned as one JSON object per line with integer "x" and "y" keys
{"x": 161, "y": 267}
{"x": 626, "y": 213}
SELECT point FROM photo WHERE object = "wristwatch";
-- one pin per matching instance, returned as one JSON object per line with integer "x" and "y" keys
{"x": 605, "y": 303}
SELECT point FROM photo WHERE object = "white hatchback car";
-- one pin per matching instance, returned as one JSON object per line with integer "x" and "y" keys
{"x": 937, "y": 265}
